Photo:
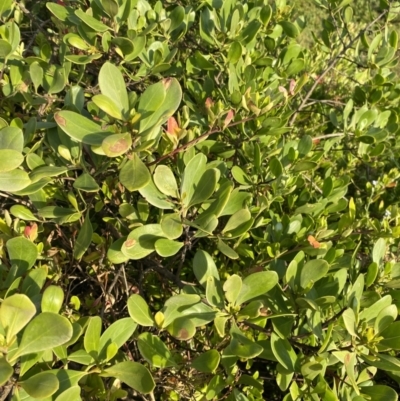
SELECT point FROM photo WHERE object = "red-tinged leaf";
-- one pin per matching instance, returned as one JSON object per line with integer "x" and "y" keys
{"x": 31, "y": 232}
{"x": 209, "y": 103}
{"x": 229, "y": 117}
{"x": 173, "y": 127}
{"x": 292, "y": 85}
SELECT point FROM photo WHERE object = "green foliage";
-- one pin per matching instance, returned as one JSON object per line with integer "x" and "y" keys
{"x": 198, "y": 203}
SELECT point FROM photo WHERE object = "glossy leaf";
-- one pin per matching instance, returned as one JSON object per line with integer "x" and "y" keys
{"x": 134, "y": 175}
{"x": 255, "y": 285}
{"x": 141, "y": 241}
{"x": 133, "y": 374}
{"x": 207, "y": 362}
{"x": 112, "y": 85}
{"x": 52, "y": 299}
{"x": 166, "y": 247}
{"x": 139, "y": 311}
{"x": 45, "y": 331}
{"x": 41, "y": 385}
{"x": 154, "y": 351}
{"x": 165, "y": 181}
{"x": 116, "y": 145}
{"x": 80, "y": 128}
{"x": 22, "y": 253}
{"x": 15, "y": 180}
{"x": 84, "y": 238}
{"x": 10, "y": 159}
{"x": 6, "y": 371}
{"x": 118, "y": 333}
{"x": 15, "y": 313}
{"x": 204, "y": 267}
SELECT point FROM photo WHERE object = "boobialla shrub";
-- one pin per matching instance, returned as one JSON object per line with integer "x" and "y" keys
{"x": 195, "y": 206}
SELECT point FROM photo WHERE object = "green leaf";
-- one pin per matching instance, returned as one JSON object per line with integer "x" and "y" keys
{"x": 10, "y": 159}
{"x": 133, "y": 374}
{"x": 6, "y": 6}
{"x": 191, "y": 177}
{"x": 41, "y": 385}
{"x": 182, "y": 328}
{"x": 45, "y": 331}
{"x": 174, "y": 306}
{"x": 290, "y": 29}
{"x": 73, "y": 393}
{"x": 52, "y": 299}
{"x": 385, "y": 318}
{"x": 80, "y": 128}
{"x": 235, "y": 52}
{"x": 391, "y": 336}
{"x": 114, "y": 253}
{"x": 379, "y": 393}
{"x": 15, "y": 180}
{"x": 85, "y": 182}
{"x": 118, "y": 333}
{"x": 226, "y": 250}
{"x": 84, "y": 238}
{"x": 158, "y": 103}
{"x": 112, "y": 85}
{"x": 67, "y": 378}
{"x": 139, "y": 311}
{"x": 275, "y": 166}
{"x": 232, "y": 288}
{"x": 214, "y": 293}
{"x": 165, "y": 181}
{"x": 349, "y": 319}
{"x": 12, "y": 138}
{"x": 304, "y": 166}
{"x": 15, "y": 313}
{"x": 313, "y": 271}
{"x": 207, "y": 362}
{"x": 171, "y": 225}
{"x": 134, "y": 175}
{"x": 243, "y": 347}
{"x": 205, "y": 187}
{"x": 46, "y": 171}
{"x": 108, "y": 106}
{"x": 166, "y": 247}
{"x": 204, "y": 267}
{"x": 95, "y": 24}
{"x": 5, "y": 49}
{"x": 154, "y": 351}
{"x": 23, "y": 213}
{"x": 155, "y": 197}
{"x": 379, "y": 251}
{"x": 82, "y": 59}
{"x": 22, "y": 253}
{"x": 59, "y": 11}
{"x": 141, "y": 241}
{"x": 283, "y": 352}
{"x": 236, "y": 221}
{"x": 255, "y": 285}
{"x": 116, "y": 145}
{"x": 91, "y": 340}
{"x": 6, "y": 371}
{"x": 305, "y": 145}
{"x": 240, "y": 176}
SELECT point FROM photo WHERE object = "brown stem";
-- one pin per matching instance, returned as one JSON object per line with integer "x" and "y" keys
{"x": 195, "y": 140}
{"x": 331, "y": 65}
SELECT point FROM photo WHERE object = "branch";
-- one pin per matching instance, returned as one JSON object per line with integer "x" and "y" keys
{"x": 332, "y": 64}
{"x": 198, "y": 139}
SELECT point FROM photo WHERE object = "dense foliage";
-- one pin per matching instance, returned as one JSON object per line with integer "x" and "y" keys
{"x": 195, "y": 205}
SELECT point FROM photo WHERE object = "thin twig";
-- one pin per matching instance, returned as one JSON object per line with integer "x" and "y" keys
{"x": 198, "y": 139}
{"x": 331, "y": 65}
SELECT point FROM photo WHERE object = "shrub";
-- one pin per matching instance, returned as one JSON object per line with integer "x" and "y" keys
{"x": 196, "y": 207}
